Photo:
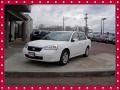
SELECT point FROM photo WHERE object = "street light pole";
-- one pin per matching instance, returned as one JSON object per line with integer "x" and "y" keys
{"x": 103, "y": 27}
{"x": 103, "y": 24}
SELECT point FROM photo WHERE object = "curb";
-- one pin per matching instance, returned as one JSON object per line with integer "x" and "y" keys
{"x": 59, "y": 74}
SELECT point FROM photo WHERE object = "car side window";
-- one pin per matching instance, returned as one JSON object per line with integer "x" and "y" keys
{"x": 82, "y": 36}
{"x": 75, "y": 36}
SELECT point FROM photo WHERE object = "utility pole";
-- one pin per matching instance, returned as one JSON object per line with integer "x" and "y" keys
{"x": 63, "y": 23}
{"x": 86, "y": 20}
{"x": 86, "y": 25}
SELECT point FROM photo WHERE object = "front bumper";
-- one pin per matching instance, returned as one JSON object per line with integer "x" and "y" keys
{"x": 43, "y": 55}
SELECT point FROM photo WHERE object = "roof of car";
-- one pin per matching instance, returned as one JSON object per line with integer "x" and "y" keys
{"x": 61, "y": 31}
{"x": 68, "y": 31}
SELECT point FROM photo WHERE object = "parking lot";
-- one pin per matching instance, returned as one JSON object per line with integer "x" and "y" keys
{"x": 65, "y": 32}
{"x": 101, "y": 59}
{"x": 102, "y": 56}
{"x": 98, "y": 47}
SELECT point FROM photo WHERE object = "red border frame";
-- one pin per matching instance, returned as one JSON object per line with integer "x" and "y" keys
{"x": 113, "y": 87}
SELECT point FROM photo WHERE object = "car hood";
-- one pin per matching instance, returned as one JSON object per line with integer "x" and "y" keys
{"x": 42, "y": 43}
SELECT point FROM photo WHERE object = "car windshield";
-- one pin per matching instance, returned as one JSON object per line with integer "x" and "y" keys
{"x": 58, "y": 36}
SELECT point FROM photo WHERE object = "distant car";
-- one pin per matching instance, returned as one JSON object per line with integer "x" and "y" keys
{"x": 113, "y": 41}
{"x": 110, "y": 39}
{"x": 102, "y": 38}
{"x": 37, "y": 35}
{"x": 90, "y": 36}
{"x": 95, "y": 37}
{"x": 58, "y": 46}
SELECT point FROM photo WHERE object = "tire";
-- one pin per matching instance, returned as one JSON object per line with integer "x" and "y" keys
{"x": 64, "y": 59}
{"x": 86, "y": 52}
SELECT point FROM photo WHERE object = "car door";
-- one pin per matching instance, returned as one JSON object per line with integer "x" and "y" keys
{"x": 75, "y": 46}
{"x": 82, "y": 43}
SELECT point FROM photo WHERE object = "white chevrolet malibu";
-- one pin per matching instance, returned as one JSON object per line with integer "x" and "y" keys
{"x": 58, "y": 46}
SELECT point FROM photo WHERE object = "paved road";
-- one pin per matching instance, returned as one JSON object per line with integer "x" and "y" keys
{"x": 106, "y": 80}
{"x": 96, "y": 49}
{"x": 102, "y": 56}
{"x": 99, "y": 62}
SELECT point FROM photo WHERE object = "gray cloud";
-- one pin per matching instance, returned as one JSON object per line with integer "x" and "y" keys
{"x": 74, "y": 14}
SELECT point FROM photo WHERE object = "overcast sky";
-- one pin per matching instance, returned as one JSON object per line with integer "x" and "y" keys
{"x": 74, "y": 15}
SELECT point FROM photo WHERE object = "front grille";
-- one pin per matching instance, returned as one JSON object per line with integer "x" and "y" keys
{"x": 35, "y": 57}
{"x": 31, "y": 48}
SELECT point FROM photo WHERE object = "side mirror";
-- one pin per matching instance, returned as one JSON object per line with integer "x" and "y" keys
{"x": 73, "y": 40}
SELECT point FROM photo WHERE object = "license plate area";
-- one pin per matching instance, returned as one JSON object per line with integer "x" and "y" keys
{"x": 31, "y": 54}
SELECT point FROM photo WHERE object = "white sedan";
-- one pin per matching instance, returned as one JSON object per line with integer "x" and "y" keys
{"x": 58, "y": 46}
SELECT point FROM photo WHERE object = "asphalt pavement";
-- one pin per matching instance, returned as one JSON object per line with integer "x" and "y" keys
{"x": 61, "y": 81}
{"x": 100, "y": 63}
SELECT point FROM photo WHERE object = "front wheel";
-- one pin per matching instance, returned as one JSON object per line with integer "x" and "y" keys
{"x": 64, "y": 59}
{"x": 86, "y": 52}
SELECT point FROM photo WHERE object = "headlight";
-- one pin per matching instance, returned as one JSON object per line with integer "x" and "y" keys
{"x": 51, "y": 47}
{"x": 26, "y": 45}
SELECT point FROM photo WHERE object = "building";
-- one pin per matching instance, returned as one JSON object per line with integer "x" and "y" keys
{"x": 28, "y": 27}
{"x": 17, "y": 24}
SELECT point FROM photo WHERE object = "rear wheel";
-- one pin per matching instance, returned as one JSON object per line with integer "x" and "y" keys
{"x": 64, "y": 59}
{"x": 86, "y": 52}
